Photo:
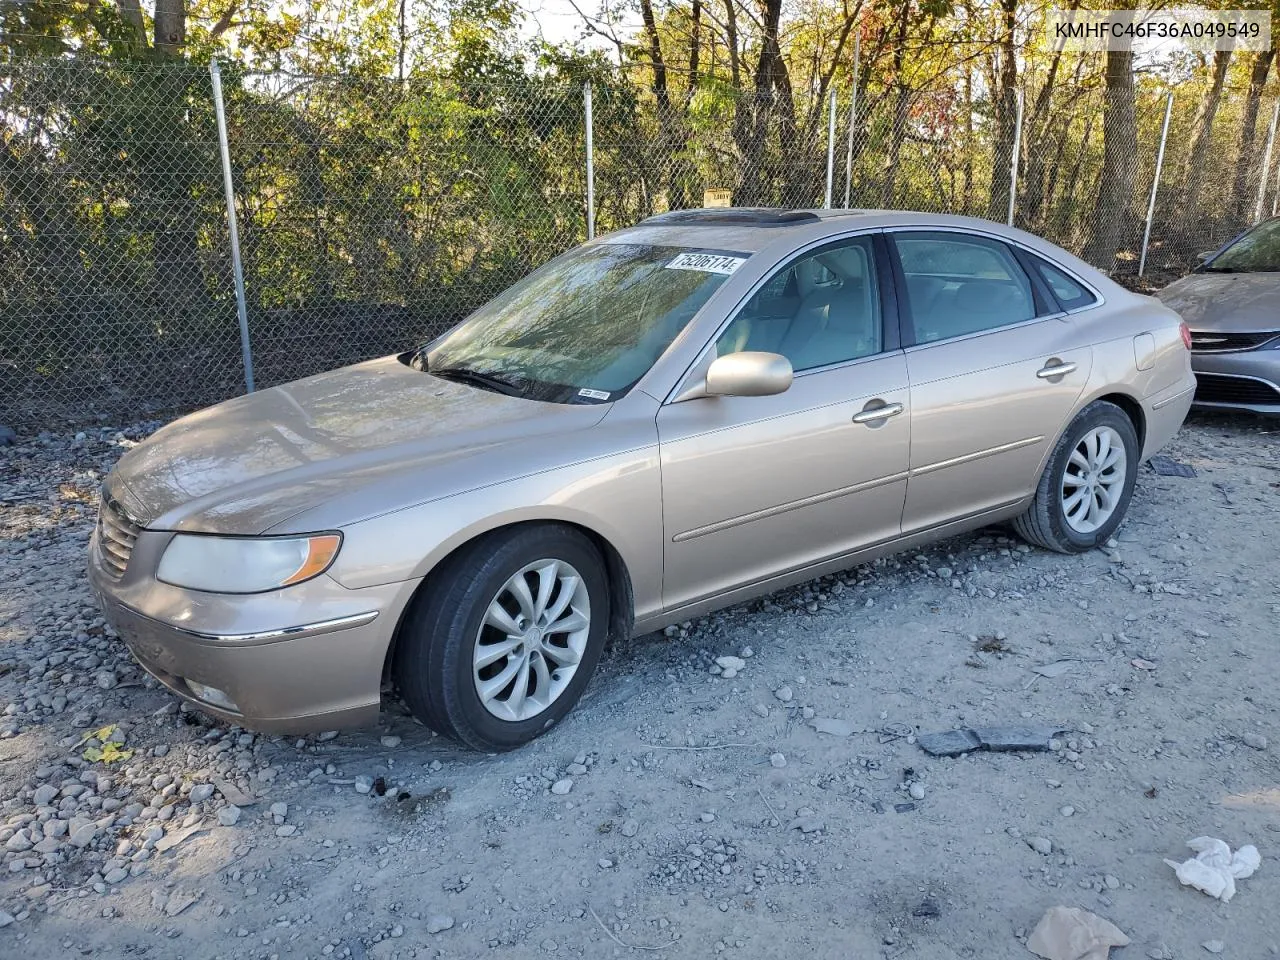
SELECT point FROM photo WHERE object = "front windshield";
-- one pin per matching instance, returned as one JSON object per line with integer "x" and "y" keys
{"x": 585, "y": 327}
{"x": 1258, "y": 251}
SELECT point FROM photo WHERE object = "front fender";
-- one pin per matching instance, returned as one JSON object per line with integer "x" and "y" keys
{"x": 617, "y": 497}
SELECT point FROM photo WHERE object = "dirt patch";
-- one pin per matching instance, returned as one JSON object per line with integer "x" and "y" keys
{"x": 701, "y": 815}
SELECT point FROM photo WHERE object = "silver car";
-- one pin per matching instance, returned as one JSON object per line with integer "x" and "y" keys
{"x": 680, "y": 416}
{"x": 1231, "y": 302}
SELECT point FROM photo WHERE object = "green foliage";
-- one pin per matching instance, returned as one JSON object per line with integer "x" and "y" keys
{"x": 391, "y": 174}
{"x": 105, "y": 745}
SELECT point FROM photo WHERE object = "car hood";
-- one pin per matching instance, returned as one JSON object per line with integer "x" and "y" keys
{"x": 1226, "y": 302}
{"x": 252, "y": 463}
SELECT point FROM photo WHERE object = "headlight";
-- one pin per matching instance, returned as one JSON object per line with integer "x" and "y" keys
{"x": 245, "y": 564}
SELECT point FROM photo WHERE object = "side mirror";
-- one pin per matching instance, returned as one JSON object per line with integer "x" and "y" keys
{"x": 1204, "y": 255}
{"x": 748, "y": 374}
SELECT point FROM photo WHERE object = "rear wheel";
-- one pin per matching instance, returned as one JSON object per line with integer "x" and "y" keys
{"x": 504, "y": 637}
{"x": 1086, "y": 487}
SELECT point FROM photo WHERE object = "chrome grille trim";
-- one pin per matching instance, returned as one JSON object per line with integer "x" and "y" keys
{"x": 117, "y": 534}
{"x": 1242, "y": 391}
{"x": 1204, "y": 341}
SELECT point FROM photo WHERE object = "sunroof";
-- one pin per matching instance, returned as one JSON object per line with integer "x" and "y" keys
{"x": 735, "y": 216}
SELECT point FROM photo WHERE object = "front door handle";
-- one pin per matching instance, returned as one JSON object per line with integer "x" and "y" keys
{"x": 874, "y": 414}
{"x": 1055, "y": 368}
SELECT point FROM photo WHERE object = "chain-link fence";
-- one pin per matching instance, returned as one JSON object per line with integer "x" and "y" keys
{"x": 375, "y": 213}
{"x": 115, "y": 285}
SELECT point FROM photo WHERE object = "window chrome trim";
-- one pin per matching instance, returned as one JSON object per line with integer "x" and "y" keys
{"x": 681, "y": 382}
{"x": 828, "y": 368}
{"x": 983, "y": 333}
{"x": 1013, "y": 242}
{"x": 841, "y": 364}
{"x": 1065, "y": 272}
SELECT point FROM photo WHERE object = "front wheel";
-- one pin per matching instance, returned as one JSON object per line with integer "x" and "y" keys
{"x": 1087, "y": 485}
{"x": 505, "y": 635}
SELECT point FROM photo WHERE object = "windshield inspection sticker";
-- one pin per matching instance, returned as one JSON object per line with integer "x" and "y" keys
{"x": 707, "y": 263}
{"x": 593, "y": 394}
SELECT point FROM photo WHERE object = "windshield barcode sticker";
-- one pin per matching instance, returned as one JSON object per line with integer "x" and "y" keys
{"x": 593, "y": 394}
{"x": 707, "y": 263}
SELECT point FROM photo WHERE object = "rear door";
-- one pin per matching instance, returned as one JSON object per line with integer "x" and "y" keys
{"x": 995, "y": 369}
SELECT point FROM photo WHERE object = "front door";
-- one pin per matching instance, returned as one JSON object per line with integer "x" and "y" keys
{"x": 757, "y": 486}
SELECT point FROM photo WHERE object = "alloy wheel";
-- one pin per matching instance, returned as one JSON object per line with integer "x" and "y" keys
{"x": 1093, "y": 482}
{"x": 531, "y": 640}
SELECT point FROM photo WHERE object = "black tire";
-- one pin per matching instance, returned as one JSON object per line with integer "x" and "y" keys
{"x": 1045, "y": 522}
{"x": 433, "y": 665}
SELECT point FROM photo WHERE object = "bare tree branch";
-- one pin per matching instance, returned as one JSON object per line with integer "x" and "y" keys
{"x": 227, "y": 20}
{"x": 607, "y": 31}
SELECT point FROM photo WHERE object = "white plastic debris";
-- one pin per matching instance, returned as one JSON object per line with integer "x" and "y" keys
{"x": 1214, "y": 869}
{"x": 1070, "y": 933}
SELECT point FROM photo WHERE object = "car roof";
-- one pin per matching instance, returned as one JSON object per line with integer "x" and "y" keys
{"x": 753, "y": 229}
{"x": 743, "y": 229}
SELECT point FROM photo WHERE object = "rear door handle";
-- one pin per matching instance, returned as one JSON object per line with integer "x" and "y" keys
{"x": 874, "y": 414}
{"x": 1055, "y": 369}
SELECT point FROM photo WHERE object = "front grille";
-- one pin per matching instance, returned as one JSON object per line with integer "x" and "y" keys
{"x": 116, "y": 537}
{"x": 1210, "y": 342}
{"x": 1217, "y": 388}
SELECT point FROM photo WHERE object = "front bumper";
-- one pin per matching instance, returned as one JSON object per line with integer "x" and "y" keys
{"x": 1244, "y": 380}
{"x": 298, "y": 660}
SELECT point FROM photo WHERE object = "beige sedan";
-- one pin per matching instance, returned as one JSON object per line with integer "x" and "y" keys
{"x": 706, "y": 407}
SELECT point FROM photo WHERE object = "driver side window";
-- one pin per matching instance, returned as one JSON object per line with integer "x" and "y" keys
{"x": 821, "y": 309}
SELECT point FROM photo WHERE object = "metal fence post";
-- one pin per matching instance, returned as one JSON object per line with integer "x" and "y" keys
{"x": 591, "y": 162}
{"x": 831, "y": 149}
{"x": 1275, "y": 196}
{"x": 1155, "y": 185}
{"x": 853, "y": 118}
{"x": 237, "y": 268}
{"x": 1013, "y": 164}
{"x": 1266, "y": 165}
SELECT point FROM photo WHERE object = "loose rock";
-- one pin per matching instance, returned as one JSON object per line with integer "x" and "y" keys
{"x": 438, "y": 923}
{"x": 200, "y": 792}
{"x": 1041, "y": 845}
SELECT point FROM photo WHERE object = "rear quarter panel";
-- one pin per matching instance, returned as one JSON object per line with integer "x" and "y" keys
{"x": 1139, "y": 353}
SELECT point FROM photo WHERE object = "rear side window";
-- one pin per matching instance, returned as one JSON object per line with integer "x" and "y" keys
{"x": 1070, "y": 292}
{"x": 957, "y": 284}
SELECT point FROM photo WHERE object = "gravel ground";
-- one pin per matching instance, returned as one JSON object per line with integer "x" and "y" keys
{"x": 688, "y": 806}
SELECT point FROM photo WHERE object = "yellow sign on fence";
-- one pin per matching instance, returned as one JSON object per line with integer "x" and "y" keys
{"x": 716, "y": 197}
